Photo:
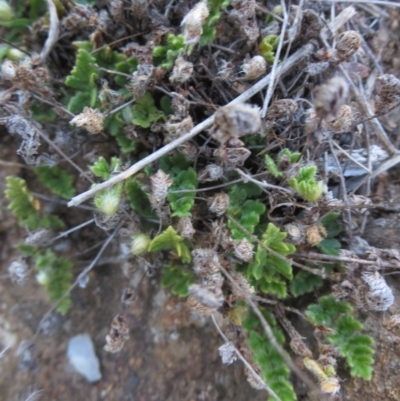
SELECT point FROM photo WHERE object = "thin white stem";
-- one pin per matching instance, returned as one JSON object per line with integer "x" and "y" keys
{"x": 66, "y": 233}
{"x": 243, "y": 359}
{"x": 283, "y": 68}
{"x": 262, "y": 184}
{"x": 273, "y": 73}
{"x": 53, "y": 30}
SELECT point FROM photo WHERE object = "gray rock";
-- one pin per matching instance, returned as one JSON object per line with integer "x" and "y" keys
{"x": 82, "y": 357}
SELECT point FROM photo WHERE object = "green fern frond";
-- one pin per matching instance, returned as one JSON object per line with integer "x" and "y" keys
{"x": 354, "y": 347}
{"x": 267, "y": 268}
{"x": 182, "y": 203}
{"x": 177, "y": 278}
{"x": 304, "y": 282}
{"x": 84, "y": 73}
{"x": 145, "y": 113}
{"x": 245, "y": 211}
{"x": 101, "y": 168}
{"x": 273, "y": 368}
{"x": 26, "y": 208}
{"x": 306, "y": 185}
{"x": 57, "y": 180}
{"x": 272, "y": 167}
{"x": 138, "y": 199}
{"x": 55, "y": 273}
{"x": 169, "y": 239}
{"x": 167, "y": 54}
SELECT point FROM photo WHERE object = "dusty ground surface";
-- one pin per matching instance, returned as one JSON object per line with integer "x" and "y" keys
{"x": 168, "y": 356}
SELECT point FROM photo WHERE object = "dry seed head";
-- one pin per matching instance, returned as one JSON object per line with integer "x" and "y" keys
{"x": 316, "y": 68}
{"x": 244, "y": 9}
{"x": 241, "y": 281}
{"x": 182, "y": 71}
{"x": 160, "y": 182}
{"x": 91, "y": 119}
{"x": 243, "y": 250}
{"x": 177, "y": 128}
{"x": 210, "y": 297}
{"x": 140, "y": 80}
{"x": 347, "y": 44}
{"x": 330, "y": 97}
{"x": 254, "y": 68}
{"x": 185, "y": 227}
{"x": 80, "y": 17}
{"x": 180, "y": 105}
{"x": 236, "y": 120}
{"x": 212, "y": 172}
{"x": 193, "y": 23}
{"x": 18, "y": 272}
{"x": 232, "y": 157}
{"x": 119, "y": 333}
{"x": 296, "y": 233}
{"x": 388, "y": 83}
{"x": 116, "y": 8}
{"x": 226, "y": 71}
{"x": 198, "y": 308}
{"x": 343, "y": 121}
{"x": 281, "y": 111}
{"x": 315, "y": 234}
{"x": 219, "y": 203}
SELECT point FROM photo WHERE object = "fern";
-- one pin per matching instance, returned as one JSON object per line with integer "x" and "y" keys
{"x": 54, "y": 272}
{"x": 101, "y": 168}
{"x": 354, "y": 347}
{"x": 167, "y": 54}
{"x": 177, "y": 278}
{"x": 116, "y": 124}
{"x": 304, "y": 282}
{"x": 272, "y": 167}
{"x": 268, "y": 46}
{"x": 83, "y": 77}
{"x": 169, "y": 239}
{"x": 330, "y": 245}
{"x": 273, "y": 368}
{"x": 182, "y": 203}
{"x": 245, "y": 211}
{"x": 138, "y": 199}
{"x": 26, "y": 208}
{"x": 267, "y": 269}
{"x": 306, "y": 185}
{"x": 209, "y": 31}
{"x": 145, "y": 113}
{"x": 57, "y": 180}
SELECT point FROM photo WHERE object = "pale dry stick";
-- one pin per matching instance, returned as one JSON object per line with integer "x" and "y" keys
{"x": 283, "y": 68}
{"x": 4, "y": 351}
{"x": 317, "y": 272}
{"x": 373, "y": 10}
{"x": 273, "y": 72}
{"x": 317, "y": 256}
{"x": 66, "y": 111}
{"x": 53, "y": 30}
{"x": 386, "y": 165}
{"x": 341, "y": 19}
{"x": 262, "y": 184}
{"x": 344, "y": 189}
{"x": 376, "y": 2}
{"x": 76, "y": 282}
{"x": 34, "y": 396}
{"x": 268, "y": 331}
{"x": 71, "y": 230}
{"x": 243, "y": 359}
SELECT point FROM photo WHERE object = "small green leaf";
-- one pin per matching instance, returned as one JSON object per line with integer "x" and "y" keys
{"x": 304, "y": 282}
{"x": 145, "y": 112}
{"x": 83, "y": 75}
{"x": 169, "y": 239}
{"x": 177, "y": 278}
{"x": 57, "y": 180}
